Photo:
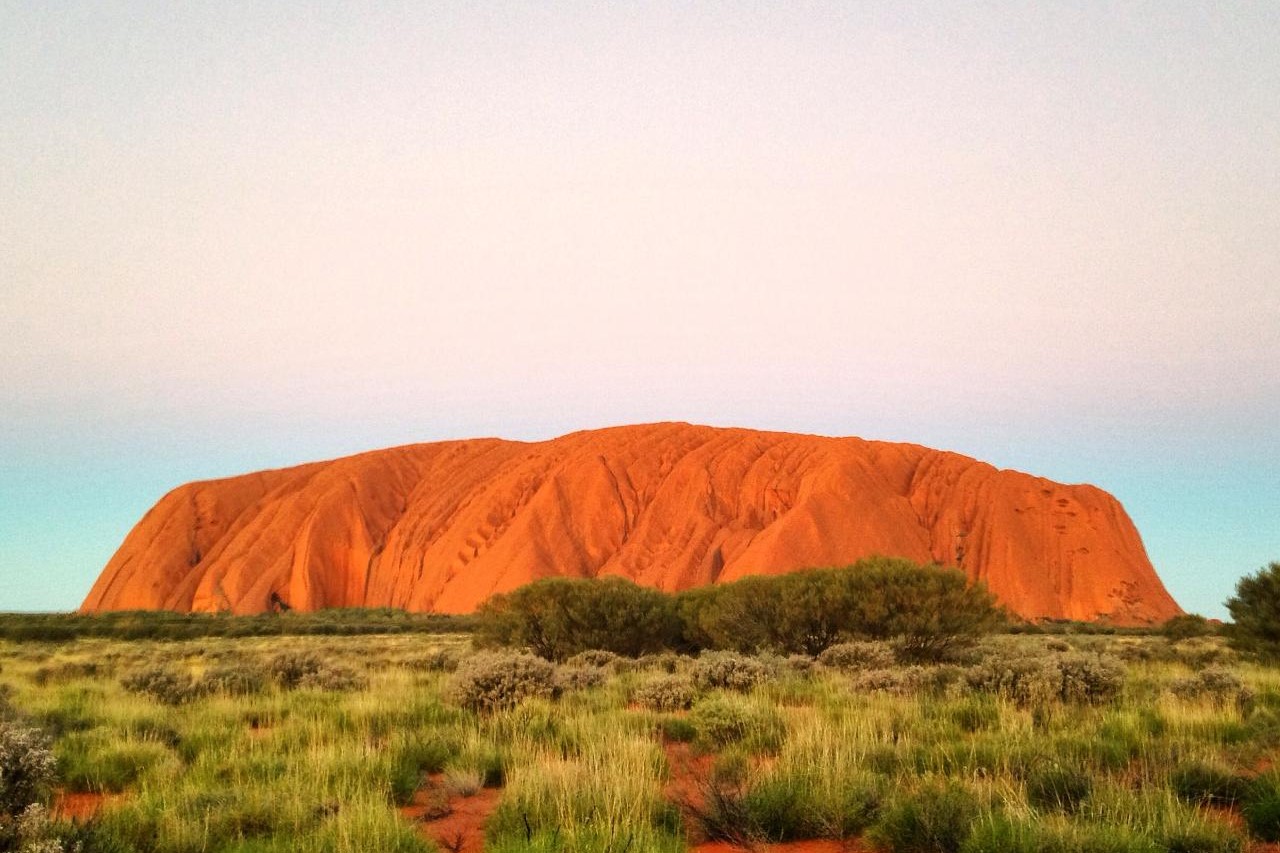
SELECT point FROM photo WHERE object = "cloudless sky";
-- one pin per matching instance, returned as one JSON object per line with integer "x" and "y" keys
{"x": 236, "y": 235}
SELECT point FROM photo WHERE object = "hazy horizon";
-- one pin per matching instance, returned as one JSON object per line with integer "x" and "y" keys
{"x": 237, "y": 236}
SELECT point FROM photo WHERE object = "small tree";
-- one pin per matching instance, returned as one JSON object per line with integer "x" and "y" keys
{"x": 557, "y": 618}
{"x": 1255, "y": 612}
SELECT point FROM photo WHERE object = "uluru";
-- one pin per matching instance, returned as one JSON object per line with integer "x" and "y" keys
{"x": 442, "y": 526}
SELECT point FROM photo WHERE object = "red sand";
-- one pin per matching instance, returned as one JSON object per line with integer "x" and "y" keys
{"x": 80, "y": 806}
{"x": 461, "y": 830}
{"x": 443, "y": 526}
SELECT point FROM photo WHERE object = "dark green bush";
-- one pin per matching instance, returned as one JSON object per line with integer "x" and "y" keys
{"x": 1255, "y": 614}
{"x": 1185, "y": 627}
{"x": 1056, "y": 787}
{"x": 1197, "y": 782}
{"x": 935, "y": 819}
{"x": 557, "y": 618}
{"x": 1261, "y": 807}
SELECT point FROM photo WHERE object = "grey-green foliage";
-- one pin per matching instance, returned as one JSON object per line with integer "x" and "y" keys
{"x": 579, "y": 677}
{"x": 27, "y": 767}
{"x": 163, "y": 683}
{"x": 858, "y": 655}
{"x": 728, "y": 671}
{"x": 490, "y": 681}
{"x": 666, "y": 693}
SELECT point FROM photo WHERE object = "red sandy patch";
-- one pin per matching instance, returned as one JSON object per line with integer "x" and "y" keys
{"x": 689, "y": 773}
{"x": 461, "y": 829}
{"x": 81, "y": 805}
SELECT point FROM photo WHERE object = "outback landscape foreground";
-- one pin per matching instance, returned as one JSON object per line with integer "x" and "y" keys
{"x": 419, "y": 742}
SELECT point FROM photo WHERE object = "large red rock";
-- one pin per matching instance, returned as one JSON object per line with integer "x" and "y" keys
{"x": 443, "y": 526}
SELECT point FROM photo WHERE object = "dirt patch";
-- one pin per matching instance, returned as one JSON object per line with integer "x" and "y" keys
{"x": 454, "y": 822}
{"x": 81, "y": 805}
{"x": 687, "y": 788}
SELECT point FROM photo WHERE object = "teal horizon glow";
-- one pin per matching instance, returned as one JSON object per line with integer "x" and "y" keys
{"x": 238, "y": 236}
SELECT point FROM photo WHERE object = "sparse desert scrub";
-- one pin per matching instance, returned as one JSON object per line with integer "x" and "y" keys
{"x": 857, "y": 656}
{"x": 795, "y": 756}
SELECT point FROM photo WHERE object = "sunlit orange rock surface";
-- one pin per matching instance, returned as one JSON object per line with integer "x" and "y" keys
{"x": 443, "y": 526}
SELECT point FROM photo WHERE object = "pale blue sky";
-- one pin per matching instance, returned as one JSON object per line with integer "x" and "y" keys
{"x": 238, "y": 235}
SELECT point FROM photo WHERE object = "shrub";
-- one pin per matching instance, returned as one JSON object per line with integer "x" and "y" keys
{"x": 799, "y": 663}
{"x": 719, "y": 722}
{"x": 335, "y": 678}
{"x": 1202, "y": 652}
{"x": 1217, "y": 683}
{"x": 557, "y": 618}
{"x": 935, "y": 819}
{"x": 490, "y": 681}
{"x": 857, "y": 656}
{"x": 1056, "y": 787}
{"x": 728, "y": 671}
{"x": 1185, "y": 627}
{"x": 779, "y": 808}
{"x": 27, "y": 767}
{"x": 1090, "y": 679}
{"x": 901, "y": 681}
{"x": 1206, "y": 784}
{"x": 163, "y": 684}
{"x": 1255, "y": 614}
{"x": 436, "y": 660}
{"x": 592, "y": 657}
{"x": 666, "y": 693}
{"x": 290, "y": 668}
{"x": 1261, "y": 808}
{"x": 578, "y": 677}
{"x": 235, "y": 680}
{"x": 930, "y": 612}
{"x": 1028, "y": 682}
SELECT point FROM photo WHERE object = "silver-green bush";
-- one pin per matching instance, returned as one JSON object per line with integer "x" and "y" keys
{"x": 490, "y": 681}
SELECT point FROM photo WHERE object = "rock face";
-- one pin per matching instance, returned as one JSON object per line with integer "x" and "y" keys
{"x": 443, "y": 526}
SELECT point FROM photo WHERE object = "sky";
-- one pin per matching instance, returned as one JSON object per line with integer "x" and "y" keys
{"x": 240, "y": 235}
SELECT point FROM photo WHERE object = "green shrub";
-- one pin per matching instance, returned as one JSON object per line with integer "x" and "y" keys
{"x": 935, "y": 819}
{"x": 728, "y": 671}
{"x": 1185, "y": 627}
{"x": 1057, "y": 787}
{"x": 666, "y": 693}
{"x": 1261, "y": 807}
{"x": 490, "y": 681}
{"x": 720, "y": 721}
{"x": 410, "y": 764}
{"x": 557, "y": 618}
{"x": 436, "y": 660}
{"x": 858, "y": 656}
{"x": 1255, "y": 614}
{"x": 781, "y": 808}
{"x": 1197, "y": 782}
{"x": 334, "y": 678}
{"x": 1202, "y": 838}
